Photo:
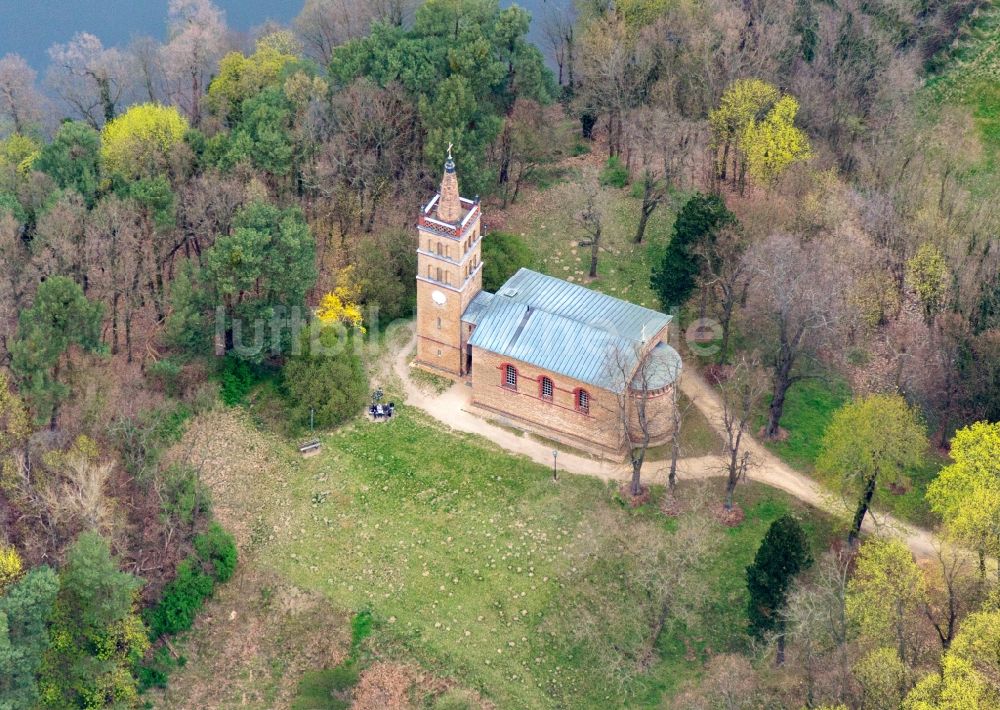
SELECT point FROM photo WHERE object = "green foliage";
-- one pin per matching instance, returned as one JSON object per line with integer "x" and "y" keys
{"x": 60, "y": 317}
{"x": 236, "y": 379}
{"x": 966, "y": 493}
{"x": 782, "y": 555}
{"x": 24, "y": 613}
{"x": 73, "y": 159}
{"x": 874, "y": 439}
{"x": 240, "y": 77}
{"x": 9, "y": 204}
{"x": 165, "y": 374}
{"x": 263, "y": 136}
{"x": 259, "y": 271}
{"x": 217, "y": 550}
{"x": 967, "y": 680}
{"x": 927, "y": 273}
{"x": 385, "y": 265}
{"x": 184, "y": 498}
{"x": 140, "y": 141}
{"x": 95, "y": 637}
{"x": 326, "y": 376}
{"x": 697, "y": 223}
{"x": 614, "y": 174}
{"x": 503, "y": 254}
{"x": 156, "y": 197}
{"x": 464, "y": 62}
{"x": 182, "y": 599}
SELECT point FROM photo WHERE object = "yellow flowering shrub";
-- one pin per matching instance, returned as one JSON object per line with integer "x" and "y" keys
{"x": 138, "y": 142}
{"x": 10, "y": 567}
{"x": 341, "y": 304}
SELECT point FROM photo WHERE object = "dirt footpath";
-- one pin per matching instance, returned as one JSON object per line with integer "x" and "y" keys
{"x": 451, "y": 408}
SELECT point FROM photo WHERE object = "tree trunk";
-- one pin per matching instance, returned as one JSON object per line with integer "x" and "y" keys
{"x": 859, "y": 514}
{"x": 593, "y": 257}
{"x": 782, "y": 381}
{"x": 640, "y": 231}
{"x": 779, "y": 658}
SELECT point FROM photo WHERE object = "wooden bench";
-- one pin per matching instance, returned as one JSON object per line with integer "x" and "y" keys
{"x": 310, "y": 447}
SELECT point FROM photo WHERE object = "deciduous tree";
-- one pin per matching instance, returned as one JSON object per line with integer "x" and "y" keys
{"x": 139, "y": 142}
{"x": 966, "y": 493}
{"x": 90, "y": 78}
{"x": 20, "y": 101}
{"x": 869, "y": 440}
{"x": 197, "y": 38}
{"x": 741, "y": 391}
{"x": 885, "y": 596}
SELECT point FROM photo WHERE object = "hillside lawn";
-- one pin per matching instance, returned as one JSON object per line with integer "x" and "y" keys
{"x": 547, "y": 219}
{"x": 473, "y": 564}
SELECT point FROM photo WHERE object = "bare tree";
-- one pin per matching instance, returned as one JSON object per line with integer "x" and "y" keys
{"x": 114, "y": 248}
{"x": 818, "y": 630}
{"x": 374, "y": 147}
{"x": 952, "y": 592}
{"x": 741, "y": 391}
{"x": 197, "y": 38}
{"x": 324, "y": 25}
{"x": 616, "y": 72}
{"x": 58, "y": 244}
{"x": 91, "y": 79}
{"x": 727, "y": 275}
{"x": 590, "y": 220}
{"x": 796, "y": 301}
{"x": 147, "y": 62}
{"x": 532, "y": 136}
{"x": 638, "y": 374}
{"x": 20, "y": 101}
{"x": 559, "y": 30}
{"x": 654, "y": 192}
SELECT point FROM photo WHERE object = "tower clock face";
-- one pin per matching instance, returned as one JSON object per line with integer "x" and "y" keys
{"x": 438, "y": 298}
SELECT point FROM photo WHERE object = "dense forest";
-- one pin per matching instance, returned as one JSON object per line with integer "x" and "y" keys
{"x": 194, "y": 219}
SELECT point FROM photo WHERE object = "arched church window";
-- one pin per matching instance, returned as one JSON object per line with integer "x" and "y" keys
{"x": 510, "y": 377}
{"x": 546, "y": 388}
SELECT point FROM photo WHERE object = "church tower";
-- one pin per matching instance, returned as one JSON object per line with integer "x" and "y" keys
{"x": 449, "y": 276}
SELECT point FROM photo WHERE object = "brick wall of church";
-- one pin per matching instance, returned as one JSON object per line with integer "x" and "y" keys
{"x": 597, "y": 431}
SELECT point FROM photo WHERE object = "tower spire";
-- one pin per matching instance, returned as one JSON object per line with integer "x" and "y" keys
{"x": 449, "y": 207}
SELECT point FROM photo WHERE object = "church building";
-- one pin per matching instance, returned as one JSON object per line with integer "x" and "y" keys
{"x": 542, "y": 354}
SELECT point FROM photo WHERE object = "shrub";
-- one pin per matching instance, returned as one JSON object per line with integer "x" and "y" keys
{"x": 182, "y": 600}
{"x": 615, "y": 174}
{"x": 217, "y": 548}
{"x": 503, "y": 255}
{"x": 165, "y": 374}
{"x": 237, "y": 377}
{"x": 328, "y": 379}
{"x": 184, "y": 497}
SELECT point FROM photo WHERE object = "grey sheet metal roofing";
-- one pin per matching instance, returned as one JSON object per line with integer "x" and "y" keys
{"x": 476, "y": 306}
{"x": 565, "y": 328}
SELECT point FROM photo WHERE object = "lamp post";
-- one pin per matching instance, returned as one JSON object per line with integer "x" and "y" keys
{"x": 555, "y": 471}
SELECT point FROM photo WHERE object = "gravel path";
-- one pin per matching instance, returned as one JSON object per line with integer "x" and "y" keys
{"x": 451, "y": 408}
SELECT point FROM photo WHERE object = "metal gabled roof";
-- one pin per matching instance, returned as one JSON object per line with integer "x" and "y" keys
{"x": 564, "y": 328}
{"x": 582, "y": 304}
{"x": 476, "y": 306}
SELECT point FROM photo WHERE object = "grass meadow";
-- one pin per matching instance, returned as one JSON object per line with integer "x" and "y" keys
{"x": 471, "y": 565}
